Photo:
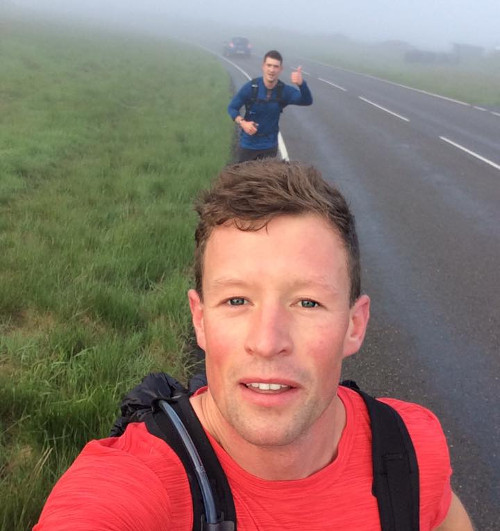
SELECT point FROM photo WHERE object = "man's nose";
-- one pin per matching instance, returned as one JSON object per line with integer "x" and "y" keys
{"x": 269, "y": 332}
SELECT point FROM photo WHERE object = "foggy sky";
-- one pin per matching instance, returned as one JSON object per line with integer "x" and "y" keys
{"x": 425, "y": 23}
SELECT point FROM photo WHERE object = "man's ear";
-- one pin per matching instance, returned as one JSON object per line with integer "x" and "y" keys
{"x": 359, "y": 316}
{"x": 196, "y": 307}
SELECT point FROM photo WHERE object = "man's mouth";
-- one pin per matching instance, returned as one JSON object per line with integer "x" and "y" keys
{"x": 267, "y": 387}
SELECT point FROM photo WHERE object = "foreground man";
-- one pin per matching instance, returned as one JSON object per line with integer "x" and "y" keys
{"x": 264, "y": 99}
{"x": 277, "y": 307}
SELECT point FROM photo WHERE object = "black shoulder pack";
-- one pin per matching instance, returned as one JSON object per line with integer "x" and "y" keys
{"x": 255, "y": 91}
{"x": 163, "y": 404}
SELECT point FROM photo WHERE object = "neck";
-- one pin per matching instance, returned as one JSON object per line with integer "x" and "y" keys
{"x": 308, "y": 454}
{"x": 270, "y": 85}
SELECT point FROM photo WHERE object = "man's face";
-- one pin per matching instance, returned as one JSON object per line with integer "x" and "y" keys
{"x": 275, "y": 323}
{"x": 271, "y": 70}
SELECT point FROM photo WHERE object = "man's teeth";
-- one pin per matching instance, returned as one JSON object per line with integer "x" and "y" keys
{"x": 267, "y": 386}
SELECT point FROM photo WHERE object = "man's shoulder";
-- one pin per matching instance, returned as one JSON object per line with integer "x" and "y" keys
{"x": 119, "y": 477}
{"x": 422, "y": 424}
{"x": 433, "y": 458}
{"x": 425, "y": 431}
{"x": 413, "y": 413}
{"x": 136, "y": 446}
{"x": 251, "y": 82}
{"x": 430, "y": 446}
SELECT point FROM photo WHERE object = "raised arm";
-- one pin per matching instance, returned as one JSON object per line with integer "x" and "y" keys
{"x": 302, "y": 96}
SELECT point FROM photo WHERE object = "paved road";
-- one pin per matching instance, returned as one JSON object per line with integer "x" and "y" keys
{"x": 423, "y": 176}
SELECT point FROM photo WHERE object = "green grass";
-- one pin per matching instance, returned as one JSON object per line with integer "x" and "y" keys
{"x": 104, "y": 143}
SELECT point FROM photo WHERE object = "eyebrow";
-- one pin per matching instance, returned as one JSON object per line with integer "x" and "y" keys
{"x": 228, "y": 281}
{"x": 314, "y": 282}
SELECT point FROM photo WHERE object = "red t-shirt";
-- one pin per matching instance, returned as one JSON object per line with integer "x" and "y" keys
{"x": 136, "y": 482}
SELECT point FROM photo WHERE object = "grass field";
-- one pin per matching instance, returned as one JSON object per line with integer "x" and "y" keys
{"x": 103, "y": 145}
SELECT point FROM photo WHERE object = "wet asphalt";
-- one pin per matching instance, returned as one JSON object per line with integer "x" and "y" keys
{"x": 422, "y": 175}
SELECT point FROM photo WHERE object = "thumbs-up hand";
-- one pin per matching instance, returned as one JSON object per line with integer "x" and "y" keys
{"x": 297, "y": 76}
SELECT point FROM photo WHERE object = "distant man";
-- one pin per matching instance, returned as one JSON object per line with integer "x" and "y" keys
{"x": 264, "y": 99}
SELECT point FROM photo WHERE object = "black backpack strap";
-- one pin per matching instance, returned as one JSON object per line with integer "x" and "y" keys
{"x": 219, "y": 513}
{"x": 255, "y": 92}
{"x": 139, "y": 401}
{"x": 279, "y": 93}
{"x": 395, "y": 468}
{"x": 253, "y": 96}
{"x": 151, "y": 402}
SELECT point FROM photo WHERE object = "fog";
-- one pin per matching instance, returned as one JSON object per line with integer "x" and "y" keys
{"x": 432, "y": 24}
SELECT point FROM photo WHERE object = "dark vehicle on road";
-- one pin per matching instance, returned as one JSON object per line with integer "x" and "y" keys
{"x": 237, "y": 46}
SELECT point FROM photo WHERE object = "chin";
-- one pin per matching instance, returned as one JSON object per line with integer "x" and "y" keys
{"x": 267, "y": 436}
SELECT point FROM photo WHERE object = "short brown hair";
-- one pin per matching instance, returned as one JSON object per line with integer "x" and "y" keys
{"x": 273, "y": 54}
{"x": 251, "y": 194}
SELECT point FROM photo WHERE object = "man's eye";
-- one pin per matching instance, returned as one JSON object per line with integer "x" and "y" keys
{"x": 307, "y": 303}
{"x": 236, "y": 301}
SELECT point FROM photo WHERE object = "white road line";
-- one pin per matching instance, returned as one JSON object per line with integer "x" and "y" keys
{"x": 332, "y": 84}
{"x": 384, "y": 109}
{"x": 496, "y": 166}
{"x": 446, "y": 98}
{"x": 418, "y": 90}
{"x": 233, "y": 64}
{"x": 495, "y": 113}
{"x": 480, "y": 108}
{"x": 390, "y": 82}
{"x": 282, "y": 148}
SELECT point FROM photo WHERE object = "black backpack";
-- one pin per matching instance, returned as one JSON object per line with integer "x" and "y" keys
{"x": 163, "y": 404}
{"x": 255, "y": 91}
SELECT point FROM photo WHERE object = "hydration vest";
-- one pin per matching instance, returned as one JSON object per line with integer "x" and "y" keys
{"x": 255, "y": 99}
{"x": 163, "y": 404}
